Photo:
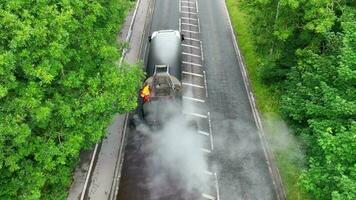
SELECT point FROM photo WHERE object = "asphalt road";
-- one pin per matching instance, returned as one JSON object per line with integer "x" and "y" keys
{"x": 242, "y": 168}
{"x": 236, "y": 154}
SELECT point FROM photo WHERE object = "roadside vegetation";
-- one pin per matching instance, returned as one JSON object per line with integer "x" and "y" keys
{"x": 301, "y": 60}
{"x": 60, "y": 86}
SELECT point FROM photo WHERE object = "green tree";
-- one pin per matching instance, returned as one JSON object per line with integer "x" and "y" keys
{"x": 308, "y": 55}
{"x": 59, "y": 89}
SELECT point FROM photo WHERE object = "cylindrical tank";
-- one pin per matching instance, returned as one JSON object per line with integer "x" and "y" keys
{"x": 165, "y": 49}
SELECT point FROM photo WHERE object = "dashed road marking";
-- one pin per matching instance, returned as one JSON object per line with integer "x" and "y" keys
{"x": 190, "y": 63}
{"x": 192, "y": 74}
{"x": 206, "y": 150}
{"x": 190, "y": 54}
{"x": 203, "y": 133}
{"x": 217, "y": 186}
{"x": 193, "y": 39}
{"x": 188, "y": 18}
{"x": 207, "y": 196}
{"x": 195, "y": 114}
{"x": 194, "y": 99}
{"x": 192, "y": 85}
{"x": 191, "y": 46}
{"x": 189, "y": 31}
{"x": 187, "y": 2}
{"x": 211, "y": 132}
{"x": 188, "y": 24}
{"x": 189, "y": 7}
{"x": 192, "y": 13}
{"x": 208, "y": 173}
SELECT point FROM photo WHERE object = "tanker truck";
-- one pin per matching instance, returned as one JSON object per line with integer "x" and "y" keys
{"x": 162, "y": 90}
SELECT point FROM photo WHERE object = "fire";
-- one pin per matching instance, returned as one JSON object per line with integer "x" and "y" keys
{"x": 145, "y": 93}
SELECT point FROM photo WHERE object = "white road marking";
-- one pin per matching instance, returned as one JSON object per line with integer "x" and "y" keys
{"x": 190, "y": 63}
{"x": 193, "y": 74}
{"x": 188, "y": 18}
{"x": 189, "y": 31}
{"x": 193, "y": 39}
{"x": 196, "y": 5}
{"x": 207, "y": 196}
{"x": 192, "y": 85}
{"x": 191, "y": 46}
{"x": 190, "y": 54}
{"x": 187, "y": 2}
{"x": 211, "y": 133}
{"x": 206, "y": 86}
{"x": 188, "y": 24}
{"x": 201, "y": 50}
{"x": 195, "y": 114}
{"x": 189, "y": 7}
{"x": 180, "y": 24}
{"x": 180, "y": 5}
{"x": 205, "y": 150}
{"x": 203, "y": 133}
{"x": 208, "y": 173}
{"x": 184, "y": 12}
{"x": 217, "y": 186}
{"x": 194, "y": 99}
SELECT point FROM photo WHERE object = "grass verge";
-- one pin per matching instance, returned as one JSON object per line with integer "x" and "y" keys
{"x": 288, "y": 158}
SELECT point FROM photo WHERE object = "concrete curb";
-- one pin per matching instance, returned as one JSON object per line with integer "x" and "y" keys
{"x": 276, "y": 178}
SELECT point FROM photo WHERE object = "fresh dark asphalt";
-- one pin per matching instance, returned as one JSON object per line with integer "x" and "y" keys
{"x": 238, "y": 155}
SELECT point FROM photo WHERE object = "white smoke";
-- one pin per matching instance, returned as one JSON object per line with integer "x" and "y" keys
{"x": 176, "y": 163}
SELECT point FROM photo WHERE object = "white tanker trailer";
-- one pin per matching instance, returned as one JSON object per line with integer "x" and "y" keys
{"x": 163, "y": 87}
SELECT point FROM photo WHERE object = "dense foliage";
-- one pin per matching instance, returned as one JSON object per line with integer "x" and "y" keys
{"x": 308, "y": 55}
{"x": 59, "y": 89}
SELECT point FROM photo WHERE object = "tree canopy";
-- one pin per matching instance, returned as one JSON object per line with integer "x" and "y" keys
{"x": 308, "y": 51}
{"x": 60, "y": 86}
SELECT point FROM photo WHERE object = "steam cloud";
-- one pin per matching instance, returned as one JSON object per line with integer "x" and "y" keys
{"x": 176, "y": 162}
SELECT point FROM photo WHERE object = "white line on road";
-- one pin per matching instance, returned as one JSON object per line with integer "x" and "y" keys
{"x": 196, "y": 5}
{"x": 203, "y": 133}
{"x": 189, "y": 31}
{"x": 190, "y": 54}
{"x": 207, "y": 196}
{"x": 217, "y": 186}
{"x": 193, "y": 39}
{"x": 187, "y": 2}
{"x": 179, "y": 23}
{"x": 190, "y": 63}
{"x": 180, "y": 5}
{"x": 201, "y": 50}
{"x": 188, "y": 18}
{"x": 205, "y": 150}
{"x": 189, "y": 7}
{"x": 194, "y": 99}
{"x": 206, "y": 86}
{"x": 208, "y": 173}
{"x": 188, "y": 24}
{"x": 211, "y": 133}
{"x": 193, "y": 74}
{"x": 184, "y": 12}
{"x": 192, "y": 85}
{"x": 191, "y": 46}
{"x": 195, "y": 114}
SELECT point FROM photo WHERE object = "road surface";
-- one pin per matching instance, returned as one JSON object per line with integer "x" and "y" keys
{"x": 237, "y": 166}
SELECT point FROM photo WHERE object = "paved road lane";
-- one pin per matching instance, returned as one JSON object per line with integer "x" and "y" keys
{"x": 242, "y": 169}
